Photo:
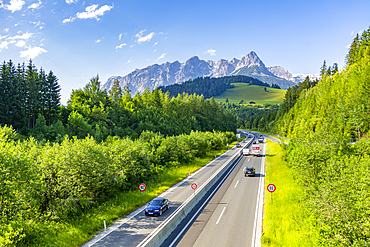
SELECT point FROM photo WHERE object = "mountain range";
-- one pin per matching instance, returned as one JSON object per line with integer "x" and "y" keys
{"x": 168, "y": 73}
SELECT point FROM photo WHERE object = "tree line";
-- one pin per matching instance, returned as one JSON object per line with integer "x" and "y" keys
{"x": 25, "y": 93}
{"x": 211, "y": 86}
{"x": 322, "y": 118}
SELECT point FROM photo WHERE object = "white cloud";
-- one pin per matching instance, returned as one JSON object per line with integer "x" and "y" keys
{"x": 38, "y": 24}
{"x": 130, "y": 60}
{"x": 93, "y": 11}
{"x": 32, "y": 52}
{"x": 120, "y": 36}
{"x": 142, "y": 38}
{"x": 71, "y": 1}
{"x": 6, "y": 30}
{"x": 69, "y": 19}
{"x": 97, "y": 41}
{"x": 352, "y": 33}
{"x": 211, "y": 52}
{"x": 4, "y": 44}
{"x": 20, "y": 43}
{"x": 14, "y": 5}
{"x": 120, "y": 46}
{"x": 156, "y": 43}
{"x": 35, "y": 5}
{"x": 161, "y": 56}
{"x": 25, "y": 36}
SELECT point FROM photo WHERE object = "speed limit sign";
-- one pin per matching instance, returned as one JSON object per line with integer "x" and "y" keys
{"x": 142, "y": 187}
{"x": 193, "y": 186}
{"x": 271, "y": 188}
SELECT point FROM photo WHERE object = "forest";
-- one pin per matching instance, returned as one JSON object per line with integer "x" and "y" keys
{"x": 329, "y": 152}
{"x": 211, "y": 87}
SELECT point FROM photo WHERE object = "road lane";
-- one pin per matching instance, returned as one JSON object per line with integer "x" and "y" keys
{"x": 132, "y": 230}
{"x": 229, "y": 217}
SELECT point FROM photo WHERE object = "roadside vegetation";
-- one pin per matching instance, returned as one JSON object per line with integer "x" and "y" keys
{"x": 59, "y": 194}
{"x": 333, "y": 176}
{"x": 286, "y": 222}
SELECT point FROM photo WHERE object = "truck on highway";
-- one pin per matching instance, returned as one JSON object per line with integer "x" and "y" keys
{"x": 246, "y": 151}
{"x": 256, "y": 150}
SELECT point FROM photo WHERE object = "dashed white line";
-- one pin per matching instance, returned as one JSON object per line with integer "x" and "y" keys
{"x": 220, "y": 216}
{"x": 236, "y": 184}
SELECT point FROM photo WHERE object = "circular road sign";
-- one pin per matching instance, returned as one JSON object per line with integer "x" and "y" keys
{"x": 193, "y": 186}
{"x": 271, "y": 188}
{"x": 142, "y": 187}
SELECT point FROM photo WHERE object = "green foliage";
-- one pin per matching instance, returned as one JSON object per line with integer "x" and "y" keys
{"x": 43, "y": 185}
{"x": 210, "y": 87}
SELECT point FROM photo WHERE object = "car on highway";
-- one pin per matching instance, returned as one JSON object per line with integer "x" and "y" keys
{"x": 157, "y": 206}
{"x": 238, "y": 145}
{"x": 249, "y": 171}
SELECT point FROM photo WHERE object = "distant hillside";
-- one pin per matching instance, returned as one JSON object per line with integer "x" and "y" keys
{"x": 248, "y": 93}
{"x": 210, "y": 87}
{"x": 263, "y": 74}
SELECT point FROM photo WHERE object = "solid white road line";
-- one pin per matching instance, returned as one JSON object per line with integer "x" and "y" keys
{"x": 220, "y": 216}
{"x": 236, "y": 184}
{"x": 204, "y": 203}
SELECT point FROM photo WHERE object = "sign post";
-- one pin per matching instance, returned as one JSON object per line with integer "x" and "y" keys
{"x": 142, "y": 188}
{"x": 271, "y": 188}
{"x": 194, "y": 187}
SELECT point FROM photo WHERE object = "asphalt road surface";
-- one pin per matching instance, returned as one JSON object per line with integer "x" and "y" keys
{"x": 229, "y": 218}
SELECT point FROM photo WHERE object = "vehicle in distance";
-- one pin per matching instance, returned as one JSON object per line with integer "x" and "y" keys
{"x": 249, "y": 171}
{"x": 246, "y": 151}
{"x": 157, "y": 206}
{"x": 256, "y": 150}
{"x": 238, "y": 145}
{"x": 260, "y": 139}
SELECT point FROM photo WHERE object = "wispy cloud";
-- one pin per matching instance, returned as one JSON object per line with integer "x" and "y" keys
{"x": 145, "y": 38}
{"x": 71, "y": 1}
{"x": 25, "y": 36}
{"x": 98, "y": 41}
{"x": 38, "y": 24}
{"x": 32, "y": 52}
{"x": 70, "y": 19}
{"x": 35, "y": 5}
{"x": 161, "y": 56}
{"x": 130, "y": 60}
{"x": 120, "y": 36}
{"x": 4, "y": 44}
{"x": 91, "y": 12}
{"x": 211, "y": 52}
{"x": 120, "y": 46}
{"x": 14, "y": 5}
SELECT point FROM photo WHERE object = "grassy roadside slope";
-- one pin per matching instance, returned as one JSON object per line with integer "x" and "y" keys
{"x": 286, "y": 221}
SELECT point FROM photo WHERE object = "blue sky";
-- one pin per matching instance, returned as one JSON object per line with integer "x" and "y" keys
{"x": 79, "y": 39}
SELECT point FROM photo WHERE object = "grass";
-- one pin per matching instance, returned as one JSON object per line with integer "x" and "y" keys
{"x": 83, "y": 228}
{"x": 286, "y": 222}
{"x": 257, "y": 94}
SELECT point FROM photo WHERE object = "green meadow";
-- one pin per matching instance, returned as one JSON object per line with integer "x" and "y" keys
{"x": 247, "y": 93}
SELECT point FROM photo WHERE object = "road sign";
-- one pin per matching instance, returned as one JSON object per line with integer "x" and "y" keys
{"x": 271, "y": 188}
{"x": 193, "y": 186}
{"x": 142, "y": 187}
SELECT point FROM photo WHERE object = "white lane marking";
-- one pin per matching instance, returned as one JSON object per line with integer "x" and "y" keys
{"x": 204, "y": 203}
{"x": 257, "y": 242}
{"x": 220, "y": 216}
{"x": 249, "y": 159}
{"x": 236, "y": 184}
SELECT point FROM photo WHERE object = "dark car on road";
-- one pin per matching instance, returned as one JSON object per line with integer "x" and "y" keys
{"x": 249, "y": 171}
{"x": 238, "y": 145}
{"x": 157, "y": 206}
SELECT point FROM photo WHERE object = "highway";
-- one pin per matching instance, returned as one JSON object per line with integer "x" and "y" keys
{"x": 229, "y": 218}
{"x": 134, "y": 229}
